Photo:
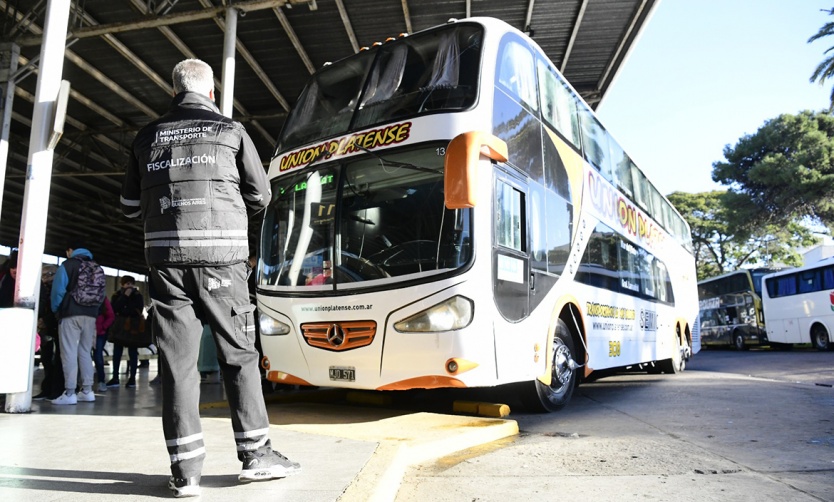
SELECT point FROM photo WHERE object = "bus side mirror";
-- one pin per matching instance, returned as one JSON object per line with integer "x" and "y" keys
{"x": 460, "y": 173}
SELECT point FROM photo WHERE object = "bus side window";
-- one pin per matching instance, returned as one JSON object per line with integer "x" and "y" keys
{"x": 828, "y": 278}
{"x": 657, "y": 204}
{"x": 595, "y": 144}
{"x": 622, "y": 169}
{"x": 809, "y": 281}
{"x": 642, "y": 195}
{"x": 517, "y": 73}
{"x": 558, "y": 220}
{"x": 770, "y": 286}
{"x": 786, "y": 285}
{"x": 515, "y": 117}
{"x": 509, "y": 218}
{"x": 558, "y": 104}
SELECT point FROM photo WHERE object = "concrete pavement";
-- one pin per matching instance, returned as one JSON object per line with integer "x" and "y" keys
{"x": 113, "y": 449}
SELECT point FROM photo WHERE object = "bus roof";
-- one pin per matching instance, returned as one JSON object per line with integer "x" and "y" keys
{"x": 808, "y": 266}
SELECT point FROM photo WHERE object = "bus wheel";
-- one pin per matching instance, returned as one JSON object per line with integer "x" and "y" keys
{"x": 819, "y": 338}
{"x": 537, "y": 396}
{"x": 738, "y": 340}
{"x": 677, "y": 363}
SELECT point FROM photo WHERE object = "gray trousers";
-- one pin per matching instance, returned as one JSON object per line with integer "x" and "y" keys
{"x": 77, "y": 334}
{"x": 185, "y": 298}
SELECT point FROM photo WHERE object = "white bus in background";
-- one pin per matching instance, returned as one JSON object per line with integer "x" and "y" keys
{"x": 799, "y": 305}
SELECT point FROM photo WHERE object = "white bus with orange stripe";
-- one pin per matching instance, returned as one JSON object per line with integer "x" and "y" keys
{"x": 447, "y": 212}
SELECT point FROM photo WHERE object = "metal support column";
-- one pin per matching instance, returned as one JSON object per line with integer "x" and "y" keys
{"x": 38, "y": 177}
{"x": 9, "y": 56}
{"x": 228, "y": 80}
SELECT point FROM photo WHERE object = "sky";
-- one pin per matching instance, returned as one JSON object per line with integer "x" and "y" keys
{"x": 705, "y": 73}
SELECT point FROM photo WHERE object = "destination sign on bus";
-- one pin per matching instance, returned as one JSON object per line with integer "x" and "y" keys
{"x": 365, "y": 140}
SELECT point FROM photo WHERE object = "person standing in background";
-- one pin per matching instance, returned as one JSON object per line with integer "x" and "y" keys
{"x": 103, "y": 322}
{"x": 7, "y": 282}
{"x": 128, "y": 305}
{"x": 77, "y": 325}
{"x": 52, "y": 385}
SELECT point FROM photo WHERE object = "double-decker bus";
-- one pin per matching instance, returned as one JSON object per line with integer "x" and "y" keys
{"x": 447, "y": 212}
{"x": 799, "y": 305}
{"x": 731, "y": 309}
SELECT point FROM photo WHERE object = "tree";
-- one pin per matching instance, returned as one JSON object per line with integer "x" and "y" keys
{"x": 718, "y": 249}
{"x": 782, "y": 174}
{"x": 825, "y": 69}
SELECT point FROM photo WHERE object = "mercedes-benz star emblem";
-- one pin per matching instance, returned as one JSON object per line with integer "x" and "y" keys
{"x": 335, "y": 335}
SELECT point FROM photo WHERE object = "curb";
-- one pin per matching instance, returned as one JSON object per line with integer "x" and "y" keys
{"x": 408, "y": 440}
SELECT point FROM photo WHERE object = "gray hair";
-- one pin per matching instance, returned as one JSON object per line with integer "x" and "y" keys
{"x": 193, "y": 75}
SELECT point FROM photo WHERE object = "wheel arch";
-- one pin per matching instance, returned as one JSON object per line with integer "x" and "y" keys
{"x": 683, "y": 332}
{"x": 574, "y": 320}
{"x": 818, "y": 323}
{"x": 567, "y": 310}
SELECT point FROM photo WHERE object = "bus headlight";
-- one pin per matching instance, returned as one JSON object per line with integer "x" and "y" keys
{"x": 454, "y": 313}
{"x": 272, "y": 327}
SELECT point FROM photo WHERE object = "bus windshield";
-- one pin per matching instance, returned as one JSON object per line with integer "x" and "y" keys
{"x": 432, "y": 71}
{"x": 372, "y": 220}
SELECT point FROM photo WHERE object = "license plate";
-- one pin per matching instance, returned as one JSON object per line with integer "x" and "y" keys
{"x": 342, "y": 374}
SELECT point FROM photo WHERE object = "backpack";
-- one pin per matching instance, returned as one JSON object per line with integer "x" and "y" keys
{"x": 90, "y": 284}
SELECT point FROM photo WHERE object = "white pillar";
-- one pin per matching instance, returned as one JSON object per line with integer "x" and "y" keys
{"x": 38, "y": 178}
{"x": 228, "y": 93}
{"x": 10, "y": 56}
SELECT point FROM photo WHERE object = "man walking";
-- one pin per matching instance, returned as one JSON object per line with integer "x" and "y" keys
{"x": 191, "y": 178}
{"x": 77, "y": 320}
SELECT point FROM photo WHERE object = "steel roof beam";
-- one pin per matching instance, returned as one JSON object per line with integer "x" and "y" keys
{"x": 613, "y": 61}
{"x": 166, "y": 20}
{"x": 573, "y": 35}
{"x": 96, "y": 74}
{"x": 348, "y": 27}
{"x": 407, "y": 17}
{"x": 250, "y": 59}
{"x": 131, "y": 56}
{"x": 299, "y": 47}
{"x": 75, "y": 145}
{"x": 529, "y": 18}
{"x": 186, "y": 51}
{"x": 73, "y": 122}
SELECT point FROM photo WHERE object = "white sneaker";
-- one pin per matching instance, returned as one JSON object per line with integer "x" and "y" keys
{"x": 85, "y": 396}
{"x": 101, "y": 387}
{"x": 66, "y": 399}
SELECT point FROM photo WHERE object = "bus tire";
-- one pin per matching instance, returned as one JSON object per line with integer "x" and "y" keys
{"x": 676, "y": 363}
{"x": 537, "y": 396}
{"x": 819, "y": 338}
{"x": 738, "y": 340}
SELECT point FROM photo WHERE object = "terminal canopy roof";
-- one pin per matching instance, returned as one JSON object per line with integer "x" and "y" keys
{"x": 119, "y": 55}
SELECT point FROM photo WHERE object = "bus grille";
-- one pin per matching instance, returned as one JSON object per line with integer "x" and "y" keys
{"x": 339, "y": 336}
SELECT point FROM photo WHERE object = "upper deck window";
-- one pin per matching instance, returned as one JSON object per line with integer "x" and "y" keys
{"x": 517, "y": 72}
{"x": 558, "y": 104}
{"x": 437, "y": 70}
